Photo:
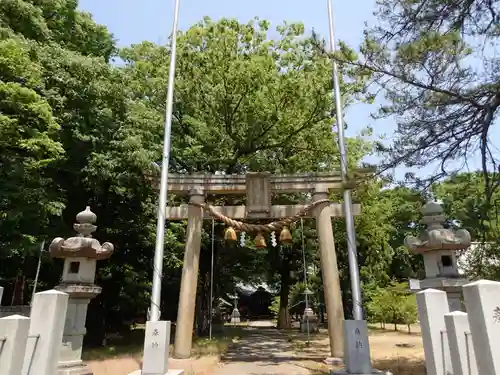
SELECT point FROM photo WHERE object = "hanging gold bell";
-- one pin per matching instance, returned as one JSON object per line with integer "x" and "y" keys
{"x": 260, "y": 241}
{"x": 285, "y": 235}
{"x": 230, "y": 234}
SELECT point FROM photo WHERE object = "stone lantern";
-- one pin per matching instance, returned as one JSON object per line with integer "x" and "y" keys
{"x": 309, "y": 321}
{"x": 80, "y": 254}
{"x": 235, "y": 315}
{"x": 439, "y": 247}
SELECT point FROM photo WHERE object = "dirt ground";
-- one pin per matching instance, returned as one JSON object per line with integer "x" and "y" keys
{"x": 126, "y": 365}
{"x": 395, "y": 351}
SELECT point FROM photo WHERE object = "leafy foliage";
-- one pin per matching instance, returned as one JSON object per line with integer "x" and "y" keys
{"x": 275, "y": 306}
{"x": 393, "y": 305}
{"x": 243, "y": 101}
{"x": 61, "y": 103}
{"x": 466, "y": 204}
{"x": 28, "y": 147}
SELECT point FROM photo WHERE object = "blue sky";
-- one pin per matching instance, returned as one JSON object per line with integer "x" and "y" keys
{"x": 133, "y": 21}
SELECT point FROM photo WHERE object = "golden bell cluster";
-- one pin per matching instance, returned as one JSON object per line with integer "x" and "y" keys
{"x": 230, "y": 234}
{"x": 260, "y": 241}
{"x": 285, "y": 235}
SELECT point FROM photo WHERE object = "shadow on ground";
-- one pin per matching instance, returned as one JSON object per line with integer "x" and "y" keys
{"x": 265, "y": 345}
{"x": 266, "y": 350}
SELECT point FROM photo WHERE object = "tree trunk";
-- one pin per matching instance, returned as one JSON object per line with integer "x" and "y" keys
{"x": 284, "y": 315}
{"x": 18, "y": 294}
{"x": 202, "y": 303}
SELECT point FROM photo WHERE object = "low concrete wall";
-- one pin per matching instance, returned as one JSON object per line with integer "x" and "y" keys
{"x": 23, "y": 310}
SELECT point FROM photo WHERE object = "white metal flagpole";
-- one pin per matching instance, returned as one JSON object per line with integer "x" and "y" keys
{"x": 355, "y": 331}
{"x": 349, "y": 218}
{"x": 162, "y": 200}
{"x": 35, "y": 283}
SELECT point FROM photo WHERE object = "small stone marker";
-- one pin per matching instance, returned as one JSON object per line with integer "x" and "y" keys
{"x": 156, "y": 345}
{"x": 357, "y": 347}
{"x": 1, "y": 294}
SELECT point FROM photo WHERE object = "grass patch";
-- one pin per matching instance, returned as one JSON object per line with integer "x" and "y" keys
{"x": 377, "y": 327}
{"x": 220, "y": 342}
{"x": 131, "y": 344}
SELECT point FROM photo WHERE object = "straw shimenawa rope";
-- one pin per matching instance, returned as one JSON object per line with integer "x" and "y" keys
{"x": 267, "y": 228}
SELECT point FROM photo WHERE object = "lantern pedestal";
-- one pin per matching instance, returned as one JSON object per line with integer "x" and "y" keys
{"x": 452, "y": 287}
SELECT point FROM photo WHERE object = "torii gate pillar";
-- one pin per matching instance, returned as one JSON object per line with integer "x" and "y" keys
{"x": 330, "y": 273}
{"x": 189, "y": 280}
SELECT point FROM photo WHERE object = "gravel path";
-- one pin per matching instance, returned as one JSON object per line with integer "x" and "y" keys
{"x": 264, "y": 351}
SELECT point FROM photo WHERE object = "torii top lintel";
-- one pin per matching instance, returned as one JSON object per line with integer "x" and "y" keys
{"x": 240, "y": 184}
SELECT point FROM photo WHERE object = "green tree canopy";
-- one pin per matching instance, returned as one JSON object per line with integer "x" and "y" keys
{"x": 243, "y": 101}
{"x": 29, "y": 145}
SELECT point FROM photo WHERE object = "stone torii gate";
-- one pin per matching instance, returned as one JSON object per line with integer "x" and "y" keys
{"x": 258, "y": 188}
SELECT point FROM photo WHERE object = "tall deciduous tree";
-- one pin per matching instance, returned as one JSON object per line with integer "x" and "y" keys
{"x": 29, "y": 145}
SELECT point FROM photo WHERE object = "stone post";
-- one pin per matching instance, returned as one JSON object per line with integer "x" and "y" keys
{"x": 330, "y": 272}
{"x": 80, "y": 256}
{"x": 156, "y": 348}
{"x": 463, "y": 360}
{"x": 483, "y": 307}
{"x": 189, "y": 280}
{"x": 1, "y": 294}
{"x": 13, "y": 337}
{"x": 48, "y": 313}
{"x": 432, "y": 306}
